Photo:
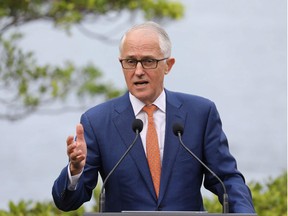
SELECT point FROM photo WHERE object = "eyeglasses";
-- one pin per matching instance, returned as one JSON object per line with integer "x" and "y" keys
{"x": 146, "y": 63}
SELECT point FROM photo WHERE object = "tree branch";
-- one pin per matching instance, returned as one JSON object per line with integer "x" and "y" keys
{"x": 94, "y": 35}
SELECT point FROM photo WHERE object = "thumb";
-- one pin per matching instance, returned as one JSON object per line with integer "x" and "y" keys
{"x": 80, "y": 132}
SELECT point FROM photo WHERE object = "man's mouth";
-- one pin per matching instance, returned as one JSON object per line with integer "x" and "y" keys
{"x": 139, "y": 83}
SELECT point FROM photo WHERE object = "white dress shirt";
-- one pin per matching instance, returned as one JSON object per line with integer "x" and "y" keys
{"x": 159, "y": 119}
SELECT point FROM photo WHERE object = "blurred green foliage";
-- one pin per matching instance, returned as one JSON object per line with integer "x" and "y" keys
{"x": 270, "y": 199}
{"x": 26, "y": 86}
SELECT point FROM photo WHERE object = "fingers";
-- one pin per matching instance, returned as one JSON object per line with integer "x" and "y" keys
{"x": 69, "y": 140}
{"x": 70, "y": 145}
{"x": 76, "y": 156}
{"x": 76, "y": 150}
{"x": 80, "y": 133}
{"x": 79, "y": 143}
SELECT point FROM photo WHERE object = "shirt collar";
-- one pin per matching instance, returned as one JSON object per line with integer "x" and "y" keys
{"x": 137, "y": 105}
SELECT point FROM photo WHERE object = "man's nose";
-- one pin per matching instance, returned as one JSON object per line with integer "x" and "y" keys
{"x": 139, "y": 70}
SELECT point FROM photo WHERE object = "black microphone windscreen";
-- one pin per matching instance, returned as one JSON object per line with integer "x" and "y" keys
{"x": 137, "y": 125}
{"x": 178, "y": 128}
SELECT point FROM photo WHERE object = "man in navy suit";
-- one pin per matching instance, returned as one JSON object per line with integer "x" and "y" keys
{"x": 105, "y": 134}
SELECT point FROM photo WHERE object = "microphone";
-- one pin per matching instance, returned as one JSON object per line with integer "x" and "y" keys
{"x": 137, "y": 127}
{"x": 178, "y": 130}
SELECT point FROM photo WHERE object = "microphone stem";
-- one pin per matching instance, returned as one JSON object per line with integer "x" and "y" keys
{"x": 102, "y": 193}
{"x": 225, "y": 195}
{"x": 102, "y": 202}
{"x": 225, "y": 203}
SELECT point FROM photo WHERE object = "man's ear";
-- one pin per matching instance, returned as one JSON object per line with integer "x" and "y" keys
{"x": 169, "y": 62}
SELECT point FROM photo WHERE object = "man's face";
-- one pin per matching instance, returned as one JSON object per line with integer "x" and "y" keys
{"x": 145, "y": 84}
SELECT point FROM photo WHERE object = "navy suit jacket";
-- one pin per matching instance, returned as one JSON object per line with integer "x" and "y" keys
{"x": 108, "y": 134}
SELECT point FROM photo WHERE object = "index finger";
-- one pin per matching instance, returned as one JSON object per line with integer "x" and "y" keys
{"x": 69, "y": 140}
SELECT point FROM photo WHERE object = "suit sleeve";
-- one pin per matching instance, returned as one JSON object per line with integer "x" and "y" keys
{"x": 67, "y": 200}
{"x": 219, "y": 159}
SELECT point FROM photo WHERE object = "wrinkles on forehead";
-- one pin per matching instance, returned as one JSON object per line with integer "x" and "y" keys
{"x": 145, "y": 50}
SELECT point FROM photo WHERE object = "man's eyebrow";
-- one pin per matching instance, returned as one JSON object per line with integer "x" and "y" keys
{"x": 130, "y": 57}
{"x": 143, "y": 57}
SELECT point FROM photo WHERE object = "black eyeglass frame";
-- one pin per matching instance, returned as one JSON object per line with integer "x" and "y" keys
{"x": 141, "y": 61}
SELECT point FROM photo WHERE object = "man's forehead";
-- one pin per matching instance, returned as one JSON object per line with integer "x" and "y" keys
{"x": 145, "y": 47}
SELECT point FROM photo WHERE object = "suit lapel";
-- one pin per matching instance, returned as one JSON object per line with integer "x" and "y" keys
{"x": 123, "y": 119}
{"x": 173, "y": 115}
{"x": 124, "y": 116}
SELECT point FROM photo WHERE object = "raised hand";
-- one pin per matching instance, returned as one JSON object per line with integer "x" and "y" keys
{"x": 77, "y": 151}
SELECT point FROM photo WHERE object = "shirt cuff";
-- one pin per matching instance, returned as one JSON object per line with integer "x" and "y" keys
{"x": 73, "y": 180}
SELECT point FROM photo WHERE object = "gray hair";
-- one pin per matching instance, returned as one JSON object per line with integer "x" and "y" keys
{"x": 164, "y": 40}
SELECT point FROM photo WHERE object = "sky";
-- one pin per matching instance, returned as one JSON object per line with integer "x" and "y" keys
{"x": 232, "y": 52}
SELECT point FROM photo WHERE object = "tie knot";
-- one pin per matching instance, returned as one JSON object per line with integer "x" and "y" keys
{"x": 149, "y": 109}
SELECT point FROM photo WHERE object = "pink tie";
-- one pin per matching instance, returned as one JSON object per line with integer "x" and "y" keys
{"x": 152, "y": 148}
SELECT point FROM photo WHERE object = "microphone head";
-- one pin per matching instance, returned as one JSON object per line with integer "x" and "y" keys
{"x": 178, "y": 128}
{"x": 137, "y": 125}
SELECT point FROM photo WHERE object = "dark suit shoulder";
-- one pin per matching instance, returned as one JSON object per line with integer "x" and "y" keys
{"x": 109, "y": 106}
{"x": 186, "y": 99}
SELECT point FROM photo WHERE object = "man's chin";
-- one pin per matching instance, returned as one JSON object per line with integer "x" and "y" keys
{"x": 142, "y": 96}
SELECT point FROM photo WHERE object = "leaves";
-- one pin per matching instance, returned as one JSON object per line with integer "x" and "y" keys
{"x": 26, "y": 86}
{"x": 156, "y": 9}
{"x": 30, "y": 208}
{"x": 66, "y": 13}
{"x": 269, "y": 198}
